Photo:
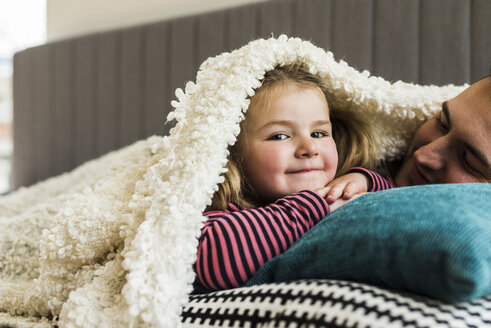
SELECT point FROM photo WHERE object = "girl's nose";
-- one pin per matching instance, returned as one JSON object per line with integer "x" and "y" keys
{"x": 433, "y": 155}
{"x": 306, "y": 148}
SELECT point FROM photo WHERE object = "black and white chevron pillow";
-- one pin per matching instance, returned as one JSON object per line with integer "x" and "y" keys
{"x": 329, "y": 303}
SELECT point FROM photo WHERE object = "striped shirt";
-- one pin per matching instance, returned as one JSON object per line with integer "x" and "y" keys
{"x": 236, "y": 242}
{"x": 376, "y": 182}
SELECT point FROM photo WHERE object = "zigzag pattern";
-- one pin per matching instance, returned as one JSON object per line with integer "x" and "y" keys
{"x": 331, "y": 304}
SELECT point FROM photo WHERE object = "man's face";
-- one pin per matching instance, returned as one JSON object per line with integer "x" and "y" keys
{"x": 454, "y": 146}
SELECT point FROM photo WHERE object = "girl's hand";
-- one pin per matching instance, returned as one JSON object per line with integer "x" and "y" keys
{"x": 344, "y": 188}
{"x": 340, "y": 202}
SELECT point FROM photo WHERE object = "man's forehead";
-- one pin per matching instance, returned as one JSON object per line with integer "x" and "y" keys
{"x": 469, "y": 116}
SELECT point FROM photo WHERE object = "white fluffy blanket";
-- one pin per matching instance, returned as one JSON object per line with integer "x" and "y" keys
{"x": 112, "y": 243}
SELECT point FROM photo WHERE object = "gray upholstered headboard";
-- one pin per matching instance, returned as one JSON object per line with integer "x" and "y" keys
{"x": 79, "y": 98}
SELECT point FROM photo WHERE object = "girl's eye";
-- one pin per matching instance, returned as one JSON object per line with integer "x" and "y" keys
{"x": 441, "y": 126}
{"x": 278, "y": 136}
{"x": 318, "y": 134}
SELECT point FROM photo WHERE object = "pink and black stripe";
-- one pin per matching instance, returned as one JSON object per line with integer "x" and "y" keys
{"x": 377, "y": 181}
{"x": 235, "y": 243}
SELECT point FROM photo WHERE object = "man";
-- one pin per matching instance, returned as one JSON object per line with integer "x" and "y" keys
{"x": 454, "y": 146}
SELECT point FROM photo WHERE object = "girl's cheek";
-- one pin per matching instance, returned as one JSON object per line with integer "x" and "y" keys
{"x": 331, "y": 149}
{"x": 276, "y": 153}
{"x": 273, "y": 159}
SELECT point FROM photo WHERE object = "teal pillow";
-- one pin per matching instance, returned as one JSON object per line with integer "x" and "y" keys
{"x": 433, "y": 240}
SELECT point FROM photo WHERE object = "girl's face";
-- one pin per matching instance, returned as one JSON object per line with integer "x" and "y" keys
{"x": 288, "y": 146}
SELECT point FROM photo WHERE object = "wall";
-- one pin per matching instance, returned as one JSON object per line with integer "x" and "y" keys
{"x": 68, "y": 18}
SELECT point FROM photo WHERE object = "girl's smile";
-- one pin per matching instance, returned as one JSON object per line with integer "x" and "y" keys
{"x": 302, "y": 171}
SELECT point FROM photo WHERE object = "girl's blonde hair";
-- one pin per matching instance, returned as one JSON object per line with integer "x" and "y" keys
{"x": 351, "y": 132}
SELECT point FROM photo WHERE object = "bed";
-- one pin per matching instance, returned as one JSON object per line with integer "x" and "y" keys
{"x": 78, "y": 99}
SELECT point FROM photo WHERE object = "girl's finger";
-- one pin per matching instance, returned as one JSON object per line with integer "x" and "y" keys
{"x": 335, "y": 192}
{"x": 349, "y": 190}
{"x": 323, "y": 191}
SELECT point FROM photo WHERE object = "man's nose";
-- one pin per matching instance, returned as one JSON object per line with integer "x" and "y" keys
{"x": 306, "y": 148}
{"x": 433, "y": 155}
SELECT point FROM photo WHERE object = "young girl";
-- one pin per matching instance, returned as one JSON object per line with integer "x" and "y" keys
{"x": 290, "y": 147}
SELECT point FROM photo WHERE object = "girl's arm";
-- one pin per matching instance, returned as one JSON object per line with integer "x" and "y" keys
{"x": 376, "y": 182}
{"x": 356, "y": 181}
{"x": 235, "y": 244}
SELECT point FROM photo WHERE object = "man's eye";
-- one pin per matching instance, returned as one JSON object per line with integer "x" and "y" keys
{"x": 470, "y": 168}
{"x": 278, "y": 136}
{"x": 318, "y": 134}
{"x": 441, "y": 126}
